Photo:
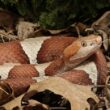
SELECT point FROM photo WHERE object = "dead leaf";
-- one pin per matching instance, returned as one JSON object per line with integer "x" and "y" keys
{"x": 24, "y": 29}
{"x": 6, "y": 93}
{"x": 69, "y": 96}
{"x": 102, "y": 26}
{"x": 108, "y": 66}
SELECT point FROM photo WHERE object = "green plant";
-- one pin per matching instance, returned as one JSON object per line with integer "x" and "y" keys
{"x": 57, "y": 14}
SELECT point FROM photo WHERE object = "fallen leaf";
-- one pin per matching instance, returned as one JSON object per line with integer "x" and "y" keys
{"x": 72, "y": 96}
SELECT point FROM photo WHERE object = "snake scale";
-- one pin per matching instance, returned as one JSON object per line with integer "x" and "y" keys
{"x": 43, "y": 57}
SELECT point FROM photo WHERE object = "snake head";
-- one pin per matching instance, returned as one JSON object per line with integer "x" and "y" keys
{"x": 81, "y": 49}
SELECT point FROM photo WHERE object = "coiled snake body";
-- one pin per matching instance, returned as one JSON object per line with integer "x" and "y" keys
{"x": 51, "y": 56}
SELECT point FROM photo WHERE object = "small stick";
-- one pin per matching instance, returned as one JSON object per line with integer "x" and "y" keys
{"x": 58, "y": 108}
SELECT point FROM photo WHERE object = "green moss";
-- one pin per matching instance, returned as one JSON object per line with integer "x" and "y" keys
{"x": 56, "y": 14}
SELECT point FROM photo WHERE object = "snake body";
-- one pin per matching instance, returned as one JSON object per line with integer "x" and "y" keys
{"x": 33, "y": 50}
{"x": 44, "y": 56}
{"x": 40, "y": 58}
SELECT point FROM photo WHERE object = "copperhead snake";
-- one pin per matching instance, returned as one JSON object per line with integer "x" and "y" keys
{"x": 51, "y": 56}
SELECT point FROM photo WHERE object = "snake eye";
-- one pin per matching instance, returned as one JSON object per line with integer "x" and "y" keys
{"x": 83, "y": 43}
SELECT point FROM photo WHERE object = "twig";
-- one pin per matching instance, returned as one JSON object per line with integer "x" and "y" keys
{"x": 8, "y": 36}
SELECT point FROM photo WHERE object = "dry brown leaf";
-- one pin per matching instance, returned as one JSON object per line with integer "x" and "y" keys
{"x": 6, "y": 93}
{"x": 78, "y": 96}
{"x": 108, "y": 65}
{"x": 24, "y": 29}
{"x": 7, "y": 19}
{"x": 102, "y": 26}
